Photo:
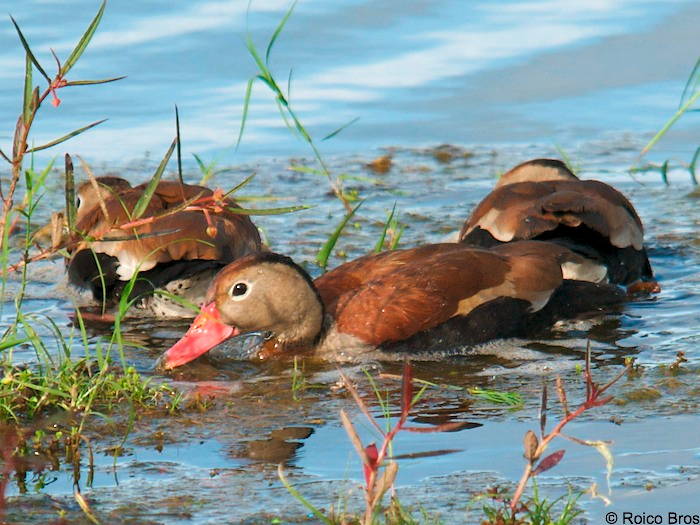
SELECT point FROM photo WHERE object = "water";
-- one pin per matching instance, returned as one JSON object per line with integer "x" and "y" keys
{"x": 423, "y": 73}
{"x": 505, "y": 84}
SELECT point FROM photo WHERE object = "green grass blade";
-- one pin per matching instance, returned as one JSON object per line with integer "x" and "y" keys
{"x": 397, "y": 238}
{"x": 84, "y": 41}
{"x": 246, "y": 104}
{"x": 12, "y": 343}
{"x": 496, "y": 396}
{"x": 277, "y": 32}
{"x": 678, "y": 114}
{"x": 268, "y": 211}
{"x": 200, "y": 164}
{"x": 341, "y": 128}
{"x": 93, "y": 82}
{"x": 70, "y": 194}
{"x": 380, "y": 242}
{"x": 325, "y": 251}
{"x": 28, "y": 103}
{"x": 692, "y": 166}
{"x": 692, "y": 83}
{"x": 283, "y": 114}
{"x": 25, "y": 44}
{"x": 664, "y": 172}
{"x": 306, "y": 169}
{"x": 256, "y": 56}
{"x": 240, "y": 185}
{"x": 145, "y": 199}
{"x": 66, "y": 137}
{"x": 179, "y": 151}
{"x": 301, "y": 499}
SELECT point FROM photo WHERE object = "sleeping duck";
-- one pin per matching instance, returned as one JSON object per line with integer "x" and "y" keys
{"x": 542, "y": 199}
{"x": 177, "y": 245}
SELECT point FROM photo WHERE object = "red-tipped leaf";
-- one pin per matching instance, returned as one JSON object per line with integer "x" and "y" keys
{"x": 549, "y": 462}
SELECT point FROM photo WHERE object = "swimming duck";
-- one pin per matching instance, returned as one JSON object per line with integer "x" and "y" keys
{"x": 433, "y": 298}
{"x": 542, "y": 199}
{"x": 183, "y": 238}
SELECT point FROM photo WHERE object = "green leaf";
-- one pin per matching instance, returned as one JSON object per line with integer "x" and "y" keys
{"x": 268, "y": 211}
{"x": 70, "y": 194}
{"x": 691, "y": 167}
{"x": 397, "y": 237}
{"x": 145, "y": 199}
{"x": 678, "y": 114}
{"x": 341, "y": 128}
{"x": 66, "y": 137}
{"x": 283, "y": 114}
{"x": 93, "y": 82}
{"x": 306, "y": 169}
{"x": 380, "y": 242}
{"x": 27, "y": 106}
{"x": 240, "y": 185}
{"x": 25, "y": 44}
{"x": 202, "y": 167}
{"x": 256, "y": 56}
{"x": 4, "y": 345}
{"x": 277, "y": 32}
{"x": 692, "y": 84}
{"x": 246, "y": 104}
{"x": 325, "y": 251}
{"x": 301, "y": 499}
{"x": 84, "y": 41}
{"x": 179, "y": 152}
{"x": 664, "y": 172}
{"x": 496, "y": 396}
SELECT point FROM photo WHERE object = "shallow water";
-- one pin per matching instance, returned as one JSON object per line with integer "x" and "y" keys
{"x": 233, "y": 447}
{"x": 416, "y": 75}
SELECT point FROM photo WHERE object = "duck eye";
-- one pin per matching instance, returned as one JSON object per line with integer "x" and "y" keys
{"x": 239, "y": 289}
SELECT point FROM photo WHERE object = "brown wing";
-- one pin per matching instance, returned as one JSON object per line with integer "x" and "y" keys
{"x": 537, "y": 170}
{"x": 525, "y": 210}
{"x": 432, "y": 284}
{"x": 352, "y": 275}
{"x": 182, "y": 235}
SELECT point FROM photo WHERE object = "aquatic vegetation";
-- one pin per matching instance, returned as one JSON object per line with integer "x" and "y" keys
{"x": 378, "y": 482}
{"x": 294, "y": 124}
{"x": 687, "y": 104}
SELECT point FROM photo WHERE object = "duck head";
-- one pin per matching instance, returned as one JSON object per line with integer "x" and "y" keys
{"x": 264, "y": 292}
{"x": 90, "y": 193}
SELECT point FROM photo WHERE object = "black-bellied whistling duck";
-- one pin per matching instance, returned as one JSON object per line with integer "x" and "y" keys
{"x": 432, "y": 298}
{"x": 174, "y": 247}
{"x": 542, "y": 199}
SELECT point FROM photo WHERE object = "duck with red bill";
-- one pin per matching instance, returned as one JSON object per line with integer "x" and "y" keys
{"x": 432, "y": 298}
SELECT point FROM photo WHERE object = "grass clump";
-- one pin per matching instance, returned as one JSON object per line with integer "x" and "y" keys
{"x": 77, "y": 387}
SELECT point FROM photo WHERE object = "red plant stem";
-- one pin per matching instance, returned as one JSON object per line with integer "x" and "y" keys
{"x": 541, "y": 448}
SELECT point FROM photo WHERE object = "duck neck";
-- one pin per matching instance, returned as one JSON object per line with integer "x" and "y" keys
{"x": 304, "y": 339}
{"x": 307, "y": 327}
